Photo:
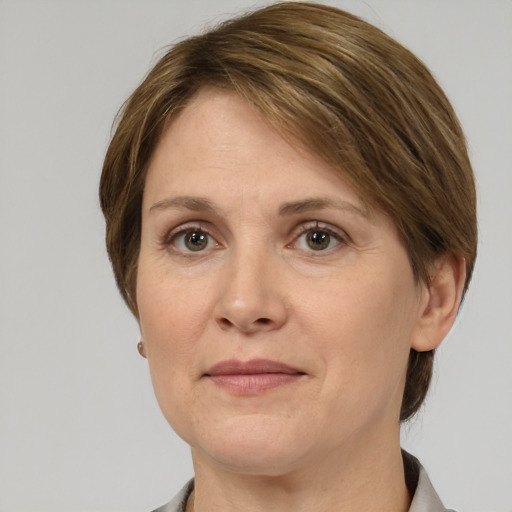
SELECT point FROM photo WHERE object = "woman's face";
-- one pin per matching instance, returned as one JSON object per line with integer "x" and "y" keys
{"x": 276, "y": 311}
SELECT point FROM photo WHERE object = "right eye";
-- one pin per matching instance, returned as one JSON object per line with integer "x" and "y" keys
{"x": 192, "y": 240}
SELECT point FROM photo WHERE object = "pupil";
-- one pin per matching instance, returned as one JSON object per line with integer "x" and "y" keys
{"x": 196, "y": 240}
{"x": 318, "y": 240}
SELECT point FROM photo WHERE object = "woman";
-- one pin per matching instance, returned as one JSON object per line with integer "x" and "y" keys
{"x": 290, "y": 216}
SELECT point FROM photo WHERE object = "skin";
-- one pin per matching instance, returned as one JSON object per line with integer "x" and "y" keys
{"x": 345, "y": 316}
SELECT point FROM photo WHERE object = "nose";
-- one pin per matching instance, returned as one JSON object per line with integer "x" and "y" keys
{"x": 251, "y": 298}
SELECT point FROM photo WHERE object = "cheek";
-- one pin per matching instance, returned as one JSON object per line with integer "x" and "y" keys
{"x": 172, "y": 312}
{"x": 363, "y": 331}
{"x": 172, "y": 317}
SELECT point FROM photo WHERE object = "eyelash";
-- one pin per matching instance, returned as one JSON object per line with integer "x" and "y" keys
{"x": 169, "y": 241}
{"x": 339, "y": 235}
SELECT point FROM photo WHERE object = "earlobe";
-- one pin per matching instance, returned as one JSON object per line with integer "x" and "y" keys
{"x": 441, "y": 302}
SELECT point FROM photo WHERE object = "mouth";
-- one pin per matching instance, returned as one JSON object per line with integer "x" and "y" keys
{"x": 252, "y": 377}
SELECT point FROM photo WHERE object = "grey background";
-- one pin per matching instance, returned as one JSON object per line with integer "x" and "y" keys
{"x": 79, "y": 427}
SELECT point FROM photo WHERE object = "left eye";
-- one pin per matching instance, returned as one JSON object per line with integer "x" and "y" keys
{"x": 192, "y": 240}
{"x": 316, "y": 240}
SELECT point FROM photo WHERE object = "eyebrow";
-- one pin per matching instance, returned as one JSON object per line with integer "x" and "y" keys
{"x": 200, "y": 204}
{"x": 196, "y": 204}
{"x": 322, "y": 203}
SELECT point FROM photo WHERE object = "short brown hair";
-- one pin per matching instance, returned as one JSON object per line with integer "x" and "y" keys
{"x": 346, "y": 90}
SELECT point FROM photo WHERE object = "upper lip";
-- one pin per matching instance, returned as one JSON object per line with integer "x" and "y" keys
{"x": 254, "y": 366}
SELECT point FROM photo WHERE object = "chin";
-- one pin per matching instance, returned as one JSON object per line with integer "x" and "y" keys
{"x": 252, "y": 460}
{"x": 261, "y": 448}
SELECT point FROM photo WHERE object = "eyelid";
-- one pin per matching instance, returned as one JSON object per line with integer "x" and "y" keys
{"x": 340, "y": 234}
{"x": 168, "y": 238}
{"x": 171, "y": 235}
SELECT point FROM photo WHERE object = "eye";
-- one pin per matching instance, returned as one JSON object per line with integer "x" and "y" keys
{"x": 192, "y": 240}
{"x": 317, "y": 239}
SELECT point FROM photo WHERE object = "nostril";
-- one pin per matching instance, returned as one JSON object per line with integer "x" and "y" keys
{"x": 245, "y": 325}
{"x": 225, "y": 322}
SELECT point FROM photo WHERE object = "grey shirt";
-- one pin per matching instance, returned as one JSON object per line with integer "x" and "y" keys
{"x": 425, "y": 498}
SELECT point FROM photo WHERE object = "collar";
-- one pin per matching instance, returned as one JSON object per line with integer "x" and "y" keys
{"x": 425, "y": 498}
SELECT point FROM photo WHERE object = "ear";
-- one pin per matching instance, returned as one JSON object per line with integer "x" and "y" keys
{"x": 440, "y": 302}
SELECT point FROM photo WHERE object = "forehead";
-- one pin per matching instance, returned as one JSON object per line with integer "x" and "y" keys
{"x": 217, "y": 120}
{"x": 223, "y": 139}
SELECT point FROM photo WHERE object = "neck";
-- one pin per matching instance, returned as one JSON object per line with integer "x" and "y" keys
{"x": 353, "y": 481}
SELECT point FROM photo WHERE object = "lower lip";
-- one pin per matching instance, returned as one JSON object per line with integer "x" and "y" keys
{"x": 253, "y": 384}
